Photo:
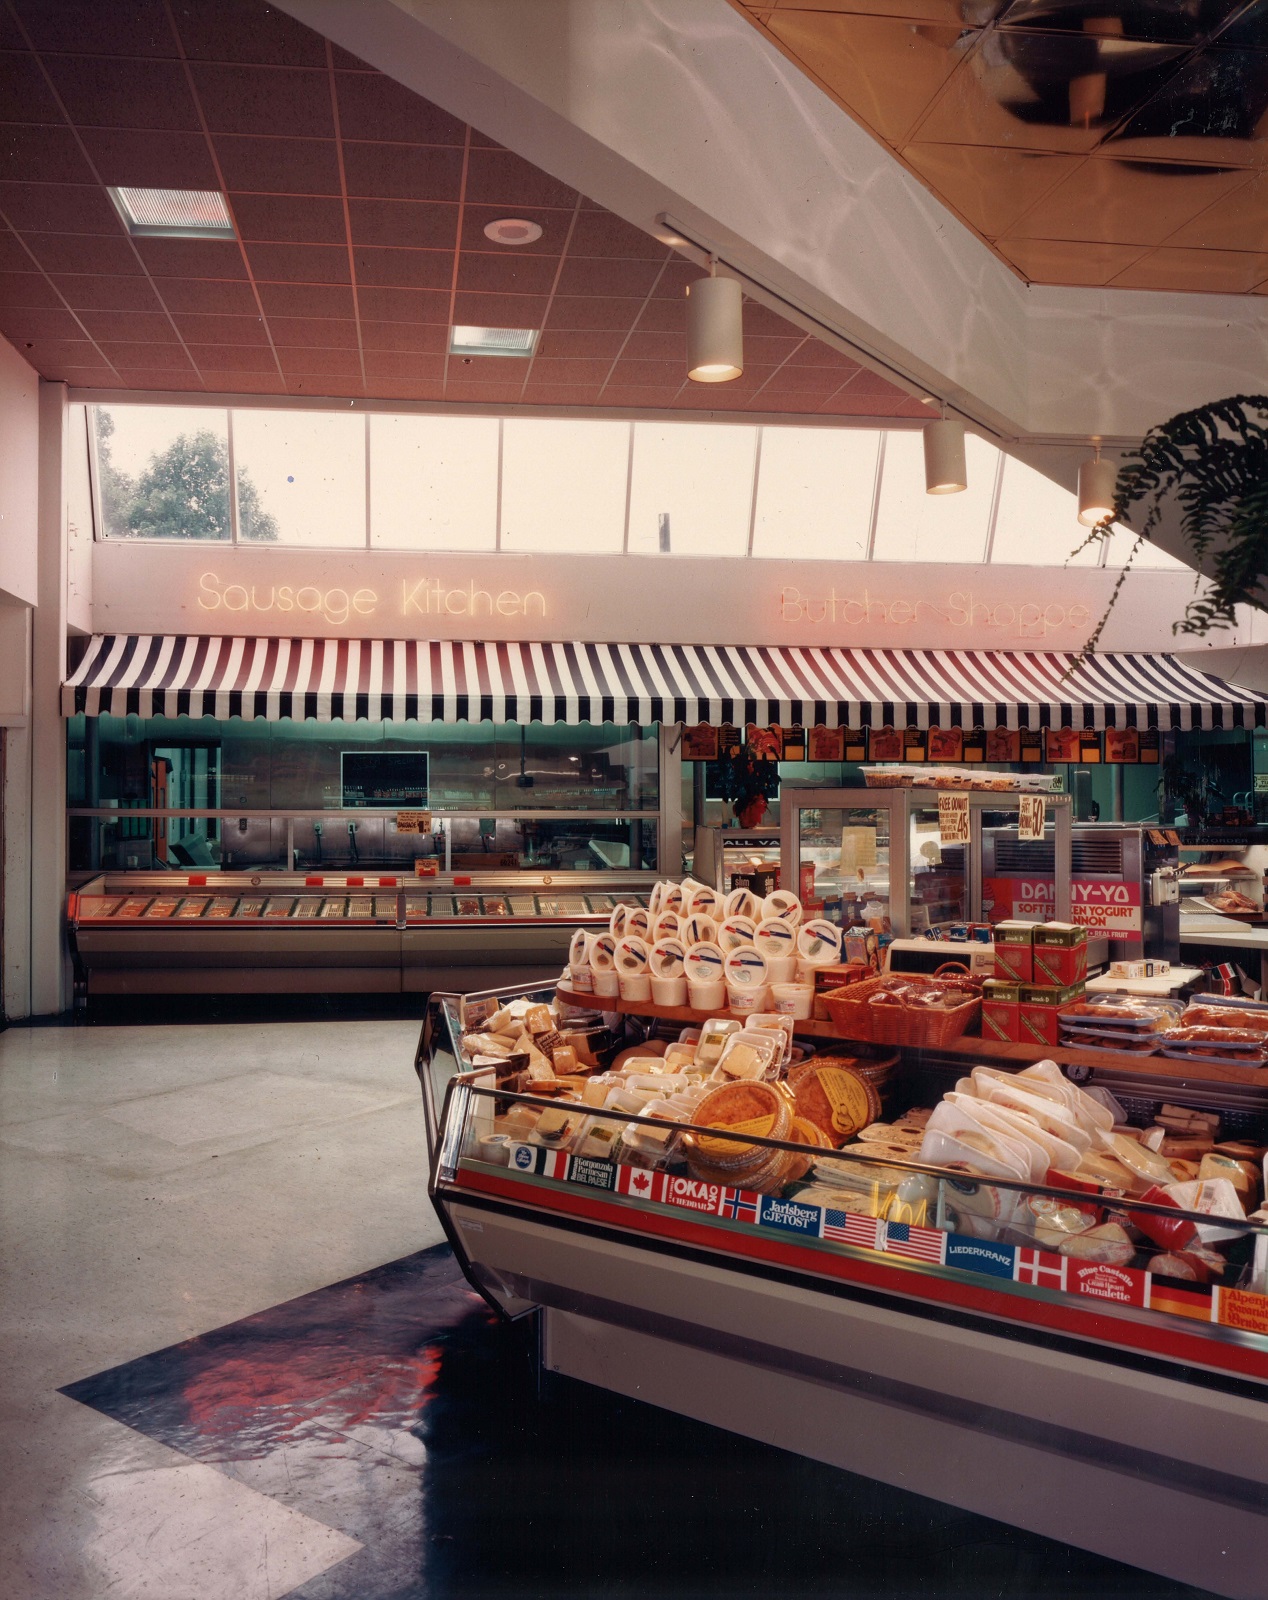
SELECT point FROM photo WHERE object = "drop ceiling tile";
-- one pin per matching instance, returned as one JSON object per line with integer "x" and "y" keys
{"x": 279, "y": 166}
{"x": 233, "y": 358}
{"x": 322, "y": 333}
{"x": 373, "y": 106}
{"x": 59, "y": 208}
{"x": 1196, "y": 271}
{"x": 22, "y": 323}
{"x": 24, "y": 91}
{"x": 630, "y": 279}
{"x": 847, "y": 403}
{"x": 1060, "y": 261}
{"x": 866, "y": 381}
{"x": 670, "y": 316}
{"x": 645, "y": 345}
{"x": 770, "y": 349}
{"x": 405, "y": 365}
{"x": 403, "y": 389}
{"x": 139, "y": 28}
{"x": 1123, "y": 202}
{"x": 650, "y": 374}
{"x": 909, "y": 406}
{"x": 299, "y": 263}
{"x": 498, "y": 178}
{"x": 134, "y": 327}
{"x": 290, "y": 219}
{"x": 487, "y": 389}
{"x": 207, "y": 297}
{"x": 222, "y": 331}
{"x": 1042, "y": 91}
{"x": 804, "y": 380}
{"x": 561, "y": 394}
{"x": 192, "y": 258}
{"x": 321, "y": 363}
{"x": 29, "y": 290}
{"x": 499, "y": 310}
{"x": 83, "y": 252}
{"x": 599, "y": 233}
{"x": 11, "y": 36}
{"x": 570, "y": 369}
{"x": 554, "y": 224}
{"x": 1211, "y": 110}
{"x": 1237, "y": 221}
{"x": 14, "y": 257}
{"x": 403, "y": 305}
{"x": 218, "y": 381}
{"x": 99, "y": 293}
{"x": 589, "y": 313}
{"x": 673, "y": 280}
{"x": 513, "y": 272}
{"x": 634, "y": 396}
{"x": 757, "y": 320}
{"x": 570, "y": 346}
{"x": 882, "y": 69}
{"x": 42, "y": 155}
{"x": 404, "y": 269}
{"x": 111, "y": 92}
{"x": 306, "y": 300}
{"x": 157, "y": 357}
{"x": 245, "y": 30}
{"x": 798, "y": 402}
{"x": 48, "y": 356}
{"x": 284, "y": 101}
{"x": 134, "y": 159}
{"x": 420, "y": 338}
{"x": 411, "y": 224}
{"x": 402, "y": 172}
{"x": 990, "y": 187}
{"x": 101, "y": 377}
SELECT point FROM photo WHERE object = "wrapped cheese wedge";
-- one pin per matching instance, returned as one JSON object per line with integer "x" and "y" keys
{"x": 1052, "y": 1222}
{"x": 1133, "y": 1155}
{"x": 1005, "y": 1158}
{"x": 1045, "y": 1112}
{"x": 1014, "y": 1127}
{"x": 1088, "y": 1112}
{"x": 1108, "y": 1243}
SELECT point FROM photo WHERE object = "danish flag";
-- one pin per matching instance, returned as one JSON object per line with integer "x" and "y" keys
{"x": 740, "y": 1206}
{"x": 1041, "y": 1269}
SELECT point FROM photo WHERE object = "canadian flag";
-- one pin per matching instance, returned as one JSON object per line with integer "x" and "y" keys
{"x": 637, "y": 1182}
{"x": 1041, "y": 1269}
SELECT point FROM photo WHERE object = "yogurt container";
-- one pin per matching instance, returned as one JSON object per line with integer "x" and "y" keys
{"x": 634, "y": 980}
{"x": 706, "y": 977}
{"x": 776, "y": 939}
{"x": 746, "y": 979}
{"x": 668, "y": 977}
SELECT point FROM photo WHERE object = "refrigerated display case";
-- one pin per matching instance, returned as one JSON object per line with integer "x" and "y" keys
{"x": 1105, "y": 1405}
{"x": 221, "y": 933}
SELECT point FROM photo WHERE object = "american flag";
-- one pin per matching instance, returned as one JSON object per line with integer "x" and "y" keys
{"x": 845, "y": 1227}
{"x": 1043, "y": 1270}
{"x": 921, "y": 1244}
{"x": 739, "y": 1206}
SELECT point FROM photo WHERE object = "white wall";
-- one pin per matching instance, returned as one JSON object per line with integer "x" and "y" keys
{"x": 19, "y": 446}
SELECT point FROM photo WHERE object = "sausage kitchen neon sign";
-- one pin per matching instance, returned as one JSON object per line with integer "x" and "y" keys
{"x": 422, "y": 597}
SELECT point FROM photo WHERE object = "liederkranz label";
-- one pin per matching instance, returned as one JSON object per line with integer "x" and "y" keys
{"x": 980, "y": 1255}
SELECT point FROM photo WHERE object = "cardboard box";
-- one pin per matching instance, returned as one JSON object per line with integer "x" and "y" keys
{"x": 1037, "y": 1013}
{"x": 1014, "y": 952}
{"x": 1001, "y": 1017}
{"x": 1060, "y": 954}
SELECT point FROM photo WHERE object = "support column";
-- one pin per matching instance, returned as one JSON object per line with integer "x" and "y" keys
{"x": 50, "y": 967}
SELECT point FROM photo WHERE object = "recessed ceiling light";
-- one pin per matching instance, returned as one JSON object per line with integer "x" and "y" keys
{"x": 174, "y": 213}
{"x": 512, "y": 230}
{"x": 467, "y": 341}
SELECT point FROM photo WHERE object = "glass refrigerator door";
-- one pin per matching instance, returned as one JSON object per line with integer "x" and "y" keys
{"x": 939, "y": 872}
{"x": 844, "y": 862}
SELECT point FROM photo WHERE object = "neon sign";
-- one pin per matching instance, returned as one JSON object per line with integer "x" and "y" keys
{"x": 961, "y": 609}
{"x": 423, "y": 597}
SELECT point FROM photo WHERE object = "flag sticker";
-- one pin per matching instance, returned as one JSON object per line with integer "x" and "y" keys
{"x": 1041, "y": 1269}
{"x": 740, "y": 1206}
{"x": 638, "y": 1183}
{"x": 980, "y": 1255}
{"x": 919, "y": 1244}
{"x": 847, "y": 1227}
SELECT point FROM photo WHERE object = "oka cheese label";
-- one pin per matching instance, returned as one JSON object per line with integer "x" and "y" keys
{"x": 693, "y": 1195}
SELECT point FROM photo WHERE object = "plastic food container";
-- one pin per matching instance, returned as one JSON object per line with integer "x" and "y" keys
{"x": 631, "y": 965}
{"x": 665, "y": 924}
{"x": 699, "y": 928}
{"x": 776, "y": 939}
{"x": 665, "y": 967}
{"x": 704, "y": 899}
{"x": 784, "y": 904}
{"x": 793, "y": 999}
{"x": 819, "y": 942}
{"x": 603, "y": 965}
{"x": 745, "y": 971}
{"x": 706, "y": 979}
{"x": 742, "y": 902}
{"x": 734, "y": 931}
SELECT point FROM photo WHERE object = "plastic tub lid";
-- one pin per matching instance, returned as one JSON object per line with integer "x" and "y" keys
{"x": 699, "y": 928}
{"x": 819, "y": 941}
{"x": 703, "y": 963}
{"x": 742, "y": 902}
{"x": 775, "y": 937}
{"x": 784, "y": 904}
{"x": 734, "y": 931}
{"x": 665, "y": 958}
{"x": 631, "y": 954}
{"x": 745, "y": 968}
{"x": 603, "y": 953}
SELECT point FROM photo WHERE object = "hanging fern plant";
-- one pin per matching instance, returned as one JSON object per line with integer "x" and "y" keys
{"x": 1212, "y": 463}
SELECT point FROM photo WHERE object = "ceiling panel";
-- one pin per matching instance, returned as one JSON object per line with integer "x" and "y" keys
{"x": 360, "y": 212}
{"x": 1086, "y": 141}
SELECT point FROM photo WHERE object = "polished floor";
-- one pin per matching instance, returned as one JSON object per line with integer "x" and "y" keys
{"x": 239, "y": 1363}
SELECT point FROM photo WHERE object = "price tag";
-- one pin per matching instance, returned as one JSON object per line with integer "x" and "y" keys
{"x": 953, "y": 819}
{"x": 1031, "y": 817}
{"x": 413, "y": 822}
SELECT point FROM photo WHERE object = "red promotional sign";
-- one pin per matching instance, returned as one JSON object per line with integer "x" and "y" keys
{"x": 1108, "y": 909}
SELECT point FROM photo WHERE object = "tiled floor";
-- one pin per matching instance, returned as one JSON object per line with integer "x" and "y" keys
{"x": 238, "y": 1364}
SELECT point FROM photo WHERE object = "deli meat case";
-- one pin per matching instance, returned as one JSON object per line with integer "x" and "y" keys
{"x": 1108, "y": 1407}
{"x": 181, "y": 933}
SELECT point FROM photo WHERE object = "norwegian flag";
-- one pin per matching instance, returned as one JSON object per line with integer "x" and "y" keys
{"x": 637, "y": 1182}
{"x": 845, "y": 1227}
{"x": 1043, "y": 1270}
{"x": 740, "y": 1206}
{"x": 921, "y": 1244}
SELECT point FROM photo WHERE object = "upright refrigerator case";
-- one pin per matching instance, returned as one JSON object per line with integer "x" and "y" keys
{"x": 878, "y": 1316}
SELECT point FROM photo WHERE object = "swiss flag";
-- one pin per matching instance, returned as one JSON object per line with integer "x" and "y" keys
{"x": 638, "y": 1182}
{"x": 1041, "y": 1269}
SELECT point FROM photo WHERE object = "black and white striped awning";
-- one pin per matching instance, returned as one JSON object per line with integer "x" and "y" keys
{"x": 441, "y": 681}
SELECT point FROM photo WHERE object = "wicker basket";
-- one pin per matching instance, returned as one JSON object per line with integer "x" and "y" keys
{"x": 851, "y": 1015}
{"x": 855, "y": 1017}
{"x": 921, "y": 1028}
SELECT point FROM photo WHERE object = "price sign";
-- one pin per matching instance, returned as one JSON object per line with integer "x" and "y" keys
{"x": 953, "y": 819}
{"x": 1031, "y": 817}
{"x": 413, "y": 822}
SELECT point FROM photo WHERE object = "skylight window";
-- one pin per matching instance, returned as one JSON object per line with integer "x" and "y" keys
{"x": 174, "y": 213}
{"x": 468, "y": 341}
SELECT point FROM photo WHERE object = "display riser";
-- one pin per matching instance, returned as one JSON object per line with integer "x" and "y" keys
{"x": 1124, "y": 1461}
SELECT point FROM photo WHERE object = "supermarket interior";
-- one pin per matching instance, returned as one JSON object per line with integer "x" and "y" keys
{"x": 633, "y": 799}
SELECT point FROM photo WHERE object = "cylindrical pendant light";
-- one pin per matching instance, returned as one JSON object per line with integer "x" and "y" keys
{"x": 715, "y": 330}
{"x": 945, "y": 471}
{"x": 1097, "y": 482}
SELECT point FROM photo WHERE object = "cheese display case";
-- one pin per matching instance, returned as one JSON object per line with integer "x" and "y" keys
{"x": 1002, "y": 1288}
{"x": 174, "y": 933}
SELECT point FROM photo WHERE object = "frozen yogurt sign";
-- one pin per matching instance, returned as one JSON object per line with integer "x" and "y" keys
{"x": 962, "y": 609}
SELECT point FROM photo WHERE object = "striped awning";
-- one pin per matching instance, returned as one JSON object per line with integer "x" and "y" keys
{"x": 176, "y": 675}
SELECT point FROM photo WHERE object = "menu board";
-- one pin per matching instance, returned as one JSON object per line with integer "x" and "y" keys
{"x": 384, "y": 780}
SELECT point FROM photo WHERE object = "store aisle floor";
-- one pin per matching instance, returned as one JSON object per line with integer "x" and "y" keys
{"x": 155, "y": 1183}
{"x": 240, "y": 1367}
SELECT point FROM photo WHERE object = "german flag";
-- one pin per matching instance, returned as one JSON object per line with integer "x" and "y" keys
{"x": 1180, "y": 1298}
